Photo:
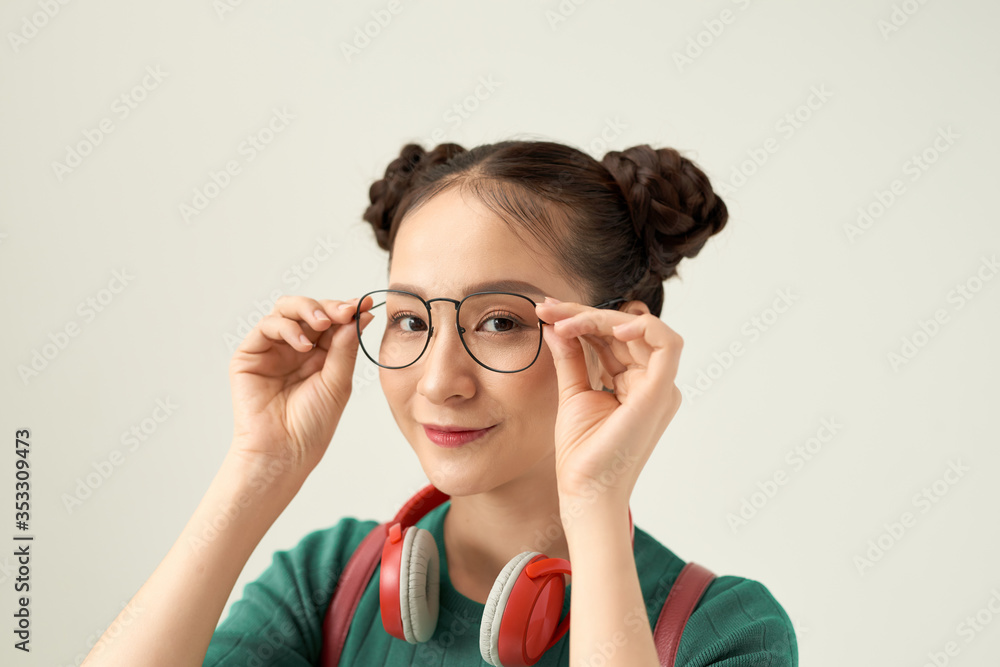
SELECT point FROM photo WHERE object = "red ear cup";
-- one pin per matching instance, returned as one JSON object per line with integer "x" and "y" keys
{"x": 409, "y": 584}
{"x": 521, "y": 619}
{"x": 388, "y": 583}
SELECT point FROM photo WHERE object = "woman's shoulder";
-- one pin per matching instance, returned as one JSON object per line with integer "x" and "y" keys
{"x": 736, "y": 615}
{"x": 335, "y": 544}
{"x": 330, "y": 545}
{"x": 289, "y": 598}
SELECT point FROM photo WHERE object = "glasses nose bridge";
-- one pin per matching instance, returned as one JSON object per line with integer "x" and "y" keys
{"x": 455, "y": 302}
{"x": 430, "y": 332}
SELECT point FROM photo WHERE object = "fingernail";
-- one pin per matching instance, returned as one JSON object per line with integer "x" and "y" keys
{"x": 549, "y": 299}
{"x": 305, "y": 341}
{"x": 345, "y": 306}
{"x": 320, "y": 315}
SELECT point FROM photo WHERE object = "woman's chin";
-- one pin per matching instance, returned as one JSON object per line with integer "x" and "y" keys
{"x": 455, "y": 479}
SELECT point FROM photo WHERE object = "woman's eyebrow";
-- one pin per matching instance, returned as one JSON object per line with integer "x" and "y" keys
{"x": 518, "y": 286}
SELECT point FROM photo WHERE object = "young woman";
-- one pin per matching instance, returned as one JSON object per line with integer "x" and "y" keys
{"x": 522, "y": 356}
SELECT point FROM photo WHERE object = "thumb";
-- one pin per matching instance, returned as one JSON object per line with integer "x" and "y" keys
{"x": 570, "y": 362}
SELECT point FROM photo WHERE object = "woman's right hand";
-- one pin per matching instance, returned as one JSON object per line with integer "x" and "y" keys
{"x": 288, "y": 394}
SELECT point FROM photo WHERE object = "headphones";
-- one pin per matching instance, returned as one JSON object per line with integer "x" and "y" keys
{"x": 521, "y": 619}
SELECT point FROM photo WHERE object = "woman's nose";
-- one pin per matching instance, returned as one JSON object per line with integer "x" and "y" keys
{"x": 446, "y": 367}
{"x": 445, "y": 340}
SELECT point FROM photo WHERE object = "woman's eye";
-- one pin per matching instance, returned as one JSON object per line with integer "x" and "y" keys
{"x": 491, "y": 324}
{"x": 408, "y": 323}
{"x": 500, "y": 324}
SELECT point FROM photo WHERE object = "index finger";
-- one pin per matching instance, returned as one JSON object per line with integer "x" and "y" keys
{"x": 306, "y": 309}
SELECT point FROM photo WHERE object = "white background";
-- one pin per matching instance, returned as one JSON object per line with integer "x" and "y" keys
{"x": 895, "y": 76}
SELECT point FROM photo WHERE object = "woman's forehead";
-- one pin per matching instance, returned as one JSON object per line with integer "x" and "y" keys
{"x": 447, "y": 248}
{"x": 502, "y": 285}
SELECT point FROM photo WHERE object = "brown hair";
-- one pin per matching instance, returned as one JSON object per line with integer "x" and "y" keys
{"x": 619, "y": 226}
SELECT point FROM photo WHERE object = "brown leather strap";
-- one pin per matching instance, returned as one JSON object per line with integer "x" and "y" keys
{"x": 681, "y": 601}
{"x": 347, "y": 594}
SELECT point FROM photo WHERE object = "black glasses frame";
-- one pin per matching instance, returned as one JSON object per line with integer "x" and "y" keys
{"x": 461, "y": 330}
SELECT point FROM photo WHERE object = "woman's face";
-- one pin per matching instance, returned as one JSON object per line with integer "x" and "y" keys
{"x": 447, "y": 248}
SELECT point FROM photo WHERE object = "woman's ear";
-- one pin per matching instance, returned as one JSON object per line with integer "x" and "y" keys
{"x": 635, "y": 307}
{"x": 599, "y": 376}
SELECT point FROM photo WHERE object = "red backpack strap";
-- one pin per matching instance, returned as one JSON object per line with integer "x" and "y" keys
{"x": 681, "y": 601}
{"x": 347, "y": 594}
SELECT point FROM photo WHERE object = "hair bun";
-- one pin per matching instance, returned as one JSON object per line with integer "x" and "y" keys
{"x": 387, "y": 193}
{"x": 672, "y": 205}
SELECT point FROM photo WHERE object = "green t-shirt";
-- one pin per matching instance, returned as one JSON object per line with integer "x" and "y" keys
{"x": 279, "y": 620}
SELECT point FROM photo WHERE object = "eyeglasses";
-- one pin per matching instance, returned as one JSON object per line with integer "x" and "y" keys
{"x": 499, "y": 330}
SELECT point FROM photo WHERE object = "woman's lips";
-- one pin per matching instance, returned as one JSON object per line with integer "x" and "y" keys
{"x": 454, "y": 438}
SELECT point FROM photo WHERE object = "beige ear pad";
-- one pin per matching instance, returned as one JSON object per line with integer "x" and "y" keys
{"x": 419, "y": 584}
{"x": 489, "y": 630}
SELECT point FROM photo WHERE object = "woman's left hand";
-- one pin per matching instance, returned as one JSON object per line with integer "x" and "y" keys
{"x": 603, "y": 440}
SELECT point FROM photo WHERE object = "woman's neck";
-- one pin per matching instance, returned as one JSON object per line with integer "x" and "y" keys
{"x": 483, "y": 532}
